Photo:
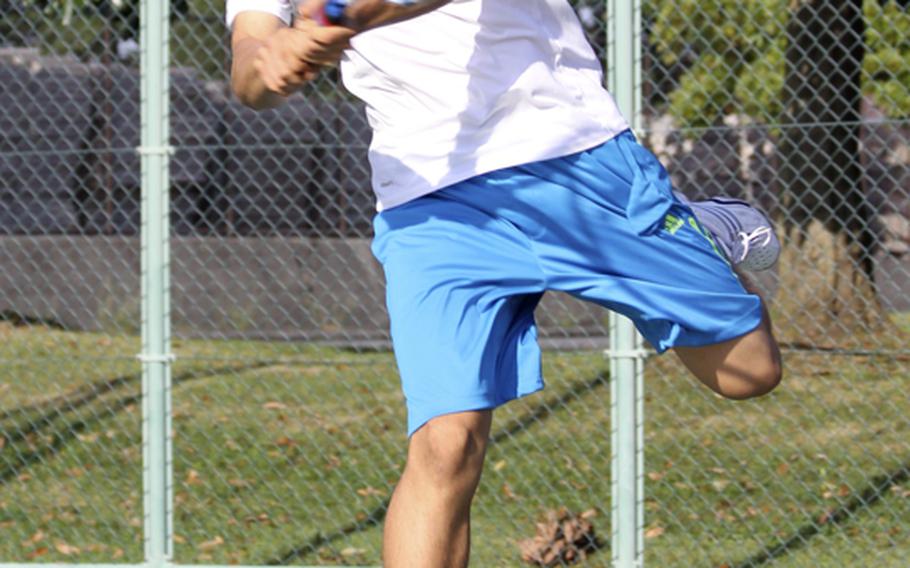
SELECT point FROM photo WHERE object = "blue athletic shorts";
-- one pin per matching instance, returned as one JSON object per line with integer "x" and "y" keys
{"x": 466, "y": 265}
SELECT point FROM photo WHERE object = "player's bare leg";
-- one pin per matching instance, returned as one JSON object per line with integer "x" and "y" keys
{"x": 750, "y": 365}
{"x": 741, "y": 368}
{"x": 428, "y": 522}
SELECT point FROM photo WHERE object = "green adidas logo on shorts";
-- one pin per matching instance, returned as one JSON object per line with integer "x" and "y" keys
{"x": 673, "y": 223}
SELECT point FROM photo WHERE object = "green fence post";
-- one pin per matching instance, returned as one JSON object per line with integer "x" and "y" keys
{"x": 626, "y": 353}
{"x": 156, "y": 357}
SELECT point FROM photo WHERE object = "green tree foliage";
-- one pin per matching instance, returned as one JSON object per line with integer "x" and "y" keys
{"x": 733, "y": 55}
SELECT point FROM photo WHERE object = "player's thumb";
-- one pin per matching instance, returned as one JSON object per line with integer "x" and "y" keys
{"x": 336, "y": 36}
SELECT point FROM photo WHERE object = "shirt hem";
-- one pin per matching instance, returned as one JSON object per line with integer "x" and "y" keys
{"x": 541, "y": 154}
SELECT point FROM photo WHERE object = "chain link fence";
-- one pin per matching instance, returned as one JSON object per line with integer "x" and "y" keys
{"x": 802, "y": 108}
{"x": 288, "y": 424}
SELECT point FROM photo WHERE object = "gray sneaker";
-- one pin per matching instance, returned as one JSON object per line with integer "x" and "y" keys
{"x": 741, "y": 231}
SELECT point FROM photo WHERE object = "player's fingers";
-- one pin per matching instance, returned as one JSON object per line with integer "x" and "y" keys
{"x": 308, "y": 73}
{"x": 328, "y": 45}
{"x": 318, "y": 56}
{"x": 274, "y": 84}
{"x": 264, "y": 72}
{"x": 296, "y": 81}
{"x": 298, "y": 66}
{"x": 273, "y": 80}
{"x": 288, "y": 74}
{"x": 324, "y": 59}
{"x": 292, "y": 69}
{"x": 265, "y": 68}
{"x": 259, "y": 63}
{"x": 336, "y": 36}
{"x": 333, "y": 51}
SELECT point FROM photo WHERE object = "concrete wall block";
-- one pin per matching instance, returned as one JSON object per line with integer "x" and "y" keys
{"x": 268, "y": 288}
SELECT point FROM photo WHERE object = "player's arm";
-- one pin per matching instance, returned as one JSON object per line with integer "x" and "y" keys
{"x": 332, "y": 35}
{"x": 271, "y": 60}
{"x": 261, "y": 76}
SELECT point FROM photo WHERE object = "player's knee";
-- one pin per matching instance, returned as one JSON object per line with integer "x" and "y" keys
{"x": 447, "y": 452}
{"x": 759, "y": 380}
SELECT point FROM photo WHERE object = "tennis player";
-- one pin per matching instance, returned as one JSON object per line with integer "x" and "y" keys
{"x": 502, "y": 169}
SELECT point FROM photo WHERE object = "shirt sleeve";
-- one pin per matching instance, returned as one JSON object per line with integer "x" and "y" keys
{"x": 281, "y": 8}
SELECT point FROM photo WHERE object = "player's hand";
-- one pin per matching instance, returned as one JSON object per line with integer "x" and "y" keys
{"x": 327, "y": 43}
{"x": 281, "y": 61}
{"x": 363, "y": 15}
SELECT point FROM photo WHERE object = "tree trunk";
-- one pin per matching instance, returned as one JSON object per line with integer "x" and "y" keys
{"x": 828, "y": 292}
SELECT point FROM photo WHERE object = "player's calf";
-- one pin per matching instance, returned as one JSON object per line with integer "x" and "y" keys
{"x": 747, "y": 366}
{"x": 428, "y": 521}
{"x": 741, "y": 368}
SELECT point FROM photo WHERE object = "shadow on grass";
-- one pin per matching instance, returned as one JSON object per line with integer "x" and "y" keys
{"x": 58, "y": 409}
{"x": 871, "y": 494}
{"x": 14, "y": 465}
{"x": 374, "y": 518}
{"x": 54, "y": 408}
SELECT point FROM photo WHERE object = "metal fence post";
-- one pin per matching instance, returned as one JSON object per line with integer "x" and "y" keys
{"x": 626, "y": 355}
{"x": 156, "y": 357}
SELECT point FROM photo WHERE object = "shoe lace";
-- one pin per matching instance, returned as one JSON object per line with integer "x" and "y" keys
{"x": 749, "y": 238}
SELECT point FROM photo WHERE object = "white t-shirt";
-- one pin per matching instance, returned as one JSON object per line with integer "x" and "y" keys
{"x": 472, "y": 87}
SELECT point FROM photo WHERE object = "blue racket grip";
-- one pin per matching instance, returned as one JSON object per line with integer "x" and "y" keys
{"x": 333, "y": 11}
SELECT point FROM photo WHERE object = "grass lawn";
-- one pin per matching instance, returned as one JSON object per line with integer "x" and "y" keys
{"x": 288, "y": 453}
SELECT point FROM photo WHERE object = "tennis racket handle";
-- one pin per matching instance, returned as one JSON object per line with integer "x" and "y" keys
{"x": 333, "y": 11}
